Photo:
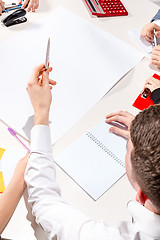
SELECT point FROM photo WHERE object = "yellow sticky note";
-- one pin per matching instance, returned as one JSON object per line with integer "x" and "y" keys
{"x": 1, "y": 152}
{"x": 2, "y": 187}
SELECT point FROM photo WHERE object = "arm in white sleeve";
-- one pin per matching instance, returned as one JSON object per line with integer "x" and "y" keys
{"x": 55, "y": 216}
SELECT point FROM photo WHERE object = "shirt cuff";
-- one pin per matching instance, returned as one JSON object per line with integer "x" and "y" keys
{"x": 157, "y": 22}
{"x": 155, "y": 96}
{"x": 41, "y": 139}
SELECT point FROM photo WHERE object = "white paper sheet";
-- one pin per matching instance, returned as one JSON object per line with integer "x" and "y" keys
{"x": 86, "y": 61}
{"x": 9, "y": 161}
{"x": 95, "y": 164}
{"x": 136, "y": 36}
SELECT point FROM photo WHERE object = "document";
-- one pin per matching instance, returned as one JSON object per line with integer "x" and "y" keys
{"x": 146, "y": 46}
{"x": 87, "y": 62}
{"x": 8, "y": 161}
{"x": 95, "y": 161}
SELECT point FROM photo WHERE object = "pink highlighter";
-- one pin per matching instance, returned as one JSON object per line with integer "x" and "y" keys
{"x": 15, "y": 135}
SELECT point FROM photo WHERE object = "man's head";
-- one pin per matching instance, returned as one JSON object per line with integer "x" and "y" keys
{"x": 143, "y": 155}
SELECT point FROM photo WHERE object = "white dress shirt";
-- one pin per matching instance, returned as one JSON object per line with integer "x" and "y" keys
{"x": 60, "y": 220}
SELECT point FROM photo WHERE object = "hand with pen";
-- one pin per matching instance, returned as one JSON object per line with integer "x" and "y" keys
{"x": 39, "y": 89}
{"x": 32, "y": 5}
{"x": 149, "y": 32}
{"x": 1, "y": 6}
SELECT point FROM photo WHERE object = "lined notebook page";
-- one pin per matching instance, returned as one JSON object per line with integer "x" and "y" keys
{"x": 95, "y": 161}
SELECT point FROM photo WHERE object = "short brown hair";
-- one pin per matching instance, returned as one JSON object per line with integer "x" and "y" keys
{"x": 145, "y": 157}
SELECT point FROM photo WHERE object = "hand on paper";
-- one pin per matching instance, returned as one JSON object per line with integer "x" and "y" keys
{"x": 121, "y": 117}
{"x": 152, "y": 83}
{"x": 32, "y": 5}
{"x": 1, "y": 6}
{"x": 155, "y": 60}
{"x": 148, "y": 31}
{"x": 39, "y": 89}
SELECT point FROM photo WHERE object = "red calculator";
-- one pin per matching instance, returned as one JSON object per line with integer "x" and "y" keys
{"x": 106, "y": 8}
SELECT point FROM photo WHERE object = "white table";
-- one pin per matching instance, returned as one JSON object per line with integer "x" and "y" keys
{"x": 111, "y": 207}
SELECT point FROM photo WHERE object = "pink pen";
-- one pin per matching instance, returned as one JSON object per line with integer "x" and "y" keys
{"x": 15, "y": 135}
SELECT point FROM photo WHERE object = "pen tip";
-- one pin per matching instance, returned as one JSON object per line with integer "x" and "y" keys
{"x": 12, "y": 131}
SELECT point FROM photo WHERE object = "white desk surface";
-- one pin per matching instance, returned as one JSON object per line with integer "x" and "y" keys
{"x": 111, "y": 207}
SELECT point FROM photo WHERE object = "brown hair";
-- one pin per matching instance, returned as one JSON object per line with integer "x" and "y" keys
{"x": 145, "y": 157}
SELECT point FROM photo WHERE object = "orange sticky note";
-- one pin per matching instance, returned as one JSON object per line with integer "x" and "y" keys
{"x": 1, "y": 152}
{"x": 2, "y": 187}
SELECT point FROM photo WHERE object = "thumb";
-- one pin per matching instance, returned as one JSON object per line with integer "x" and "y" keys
{"x": 45, "y": 78}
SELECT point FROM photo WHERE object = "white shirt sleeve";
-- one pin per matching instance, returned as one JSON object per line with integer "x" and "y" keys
{"x": 55, "y": 216}
{"x": 157, "y": 22}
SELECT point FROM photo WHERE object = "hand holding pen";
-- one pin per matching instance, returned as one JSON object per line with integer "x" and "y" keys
{"x": 149, "y": 31}
{"x": 39, "y": 89}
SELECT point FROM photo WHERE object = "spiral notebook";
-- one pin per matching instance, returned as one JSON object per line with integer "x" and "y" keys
{"x": 95, "y": 161}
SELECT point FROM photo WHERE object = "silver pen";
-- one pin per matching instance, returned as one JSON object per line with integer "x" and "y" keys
{"x": 154, "y": 38}
{"x": 47, "y": 54}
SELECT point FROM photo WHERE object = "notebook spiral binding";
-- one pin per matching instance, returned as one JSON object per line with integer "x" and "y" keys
{"x": 104, "y": 148}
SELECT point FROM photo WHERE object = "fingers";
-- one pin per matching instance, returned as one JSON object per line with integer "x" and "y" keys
{"x": 150, "y": 80}
{"x": 45, "y": 78}
{"x": 42, "y": 81}
{"x": 156, "y": 50}
{"x": 2, "y": 8}
{"x": 35, "y": 6}
{"x": 155, "y": 60}
{"x": 25, "y": 4}
{"x": 32, "y": 5}
{"x": 156, "y": 27}
{"x": 121, "y": 116}
{"x": 52, "y": 82}
{"x": 148, "y": 37}
{"x": 37, "y": 71}
{"x": 120, "y": 132}
{"x": 157, "y": 34}
{"x": 148, "y": 31}
{"x": 152, "y": 83}
{"x": 119, "y": 119}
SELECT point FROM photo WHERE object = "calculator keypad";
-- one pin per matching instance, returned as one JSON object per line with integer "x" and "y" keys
{"x": 113, "y": 7}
